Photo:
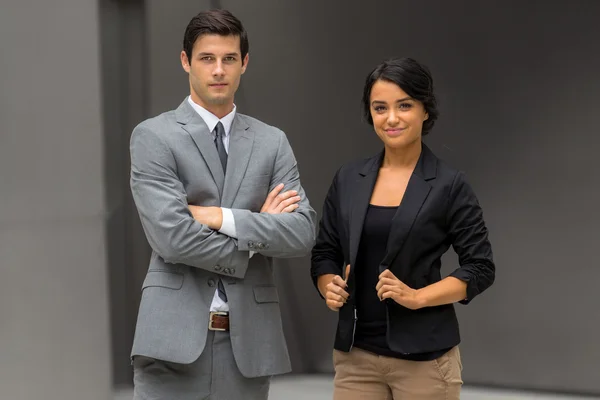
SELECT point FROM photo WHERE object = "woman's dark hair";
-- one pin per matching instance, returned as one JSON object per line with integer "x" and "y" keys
{"x": 214, "y": 22}
{"x": 413, "y": 78}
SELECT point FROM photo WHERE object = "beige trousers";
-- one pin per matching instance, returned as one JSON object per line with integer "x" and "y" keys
{"x": 363, "y": 375}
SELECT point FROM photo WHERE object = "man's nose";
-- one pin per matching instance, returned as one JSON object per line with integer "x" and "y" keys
{"x": 218, "y": 71}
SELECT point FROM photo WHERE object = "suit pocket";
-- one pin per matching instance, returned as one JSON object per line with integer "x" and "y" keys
{"x": 266, "y": 294}
{"x": 255, "y": 181}
{"x": 253, "y": 192}
{"x": 170, "y": 280}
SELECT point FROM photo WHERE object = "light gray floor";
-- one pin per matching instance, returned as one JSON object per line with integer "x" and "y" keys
{"x": 315, "y": 387}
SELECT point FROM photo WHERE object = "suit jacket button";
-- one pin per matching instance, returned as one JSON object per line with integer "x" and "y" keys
{"x": 226, "y": 270}
{"x": 232, "y": 271}
{"x": 218, "y": 268}
{"x": 251, "y": 244}
{"x": 261, "y": 246}
{"x": 211, "y": 282}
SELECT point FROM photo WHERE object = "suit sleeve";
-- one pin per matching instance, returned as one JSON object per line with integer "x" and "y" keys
{"x": 469, "y": 237}
{"x": 168, "y": 224}
{"x": 279, "y": 235}
{"x": 327, "y": 256}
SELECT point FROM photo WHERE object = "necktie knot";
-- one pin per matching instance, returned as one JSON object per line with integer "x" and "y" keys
{"x": 219, "y": 131}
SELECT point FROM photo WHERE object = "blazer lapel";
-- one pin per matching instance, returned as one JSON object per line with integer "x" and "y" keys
{"x": 417, "y": 190}
{"x": 241, "y": 140}
{"x": 360, "y": 203}
{"x": 193, "y": 124}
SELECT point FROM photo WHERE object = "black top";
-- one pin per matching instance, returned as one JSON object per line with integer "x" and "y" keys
{"x": 439, "y": 209}
{"x": 371, "y": 323}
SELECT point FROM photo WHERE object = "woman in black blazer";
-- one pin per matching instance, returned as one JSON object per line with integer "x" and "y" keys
{"x": 389, "y": 219}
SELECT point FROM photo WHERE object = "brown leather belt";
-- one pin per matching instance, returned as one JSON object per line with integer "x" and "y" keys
{"x": 218, "y": 321}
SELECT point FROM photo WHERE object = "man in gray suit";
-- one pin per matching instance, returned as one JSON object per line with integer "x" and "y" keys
{"x": 207, "y": 182}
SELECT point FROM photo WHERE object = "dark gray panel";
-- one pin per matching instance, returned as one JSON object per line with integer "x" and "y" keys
{"x": 124, "y": 103}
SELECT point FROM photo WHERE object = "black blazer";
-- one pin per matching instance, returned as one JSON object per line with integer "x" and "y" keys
{"x": 439, "y": 209}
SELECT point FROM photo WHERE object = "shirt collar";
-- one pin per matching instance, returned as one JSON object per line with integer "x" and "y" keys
{"x": 211, "y": 119}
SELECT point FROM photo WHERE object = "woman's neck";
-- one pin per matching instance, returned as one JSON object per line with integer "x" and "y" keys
{"x": 402, "y": 157}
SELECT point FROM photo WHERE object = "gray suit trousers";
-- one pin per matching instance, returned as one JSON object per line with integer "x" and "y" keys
{"x": 213, "y": 376}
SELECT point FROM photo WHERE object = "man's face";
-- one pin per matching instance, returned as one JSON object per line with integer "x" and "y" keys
{"x": 215, "y": 69}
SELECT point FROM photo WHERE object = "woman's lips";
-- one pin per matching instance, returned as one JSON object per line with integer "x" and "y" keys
{"x": 394, "y": 131}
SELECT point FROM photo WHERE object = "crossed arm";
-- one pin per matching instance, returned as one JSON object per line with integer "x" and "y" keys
{"x": 276, "y": 203}
{"x": 285, "y": 226}
{"x": 161, "y": 202}
{"x": 177, "y": 237}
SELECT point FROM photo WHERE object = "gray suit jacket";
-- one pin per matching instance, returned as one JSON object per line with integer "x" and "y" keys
{"x": 174, "y": 163}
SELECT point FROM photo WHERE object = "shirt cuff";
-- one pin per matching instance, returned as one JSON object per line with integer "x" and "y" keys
{"x": 228, "y": 224}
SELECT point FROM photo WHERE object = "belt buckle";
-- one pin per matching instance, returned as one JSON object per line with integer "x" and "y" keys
{"x": 210, "y": 320}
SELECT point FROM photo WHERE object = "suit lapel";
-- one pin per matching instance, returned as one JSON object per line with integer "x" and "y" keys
{"x": 241, "y": 140}
{"x": 193, "y": 124}
{"x": 360, "y": 203}
{"x": 417, "y": 190}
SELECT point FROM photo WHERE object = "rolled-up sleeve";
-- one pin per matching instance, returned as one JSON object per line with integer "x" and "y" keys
{"x": 469, "y": 237}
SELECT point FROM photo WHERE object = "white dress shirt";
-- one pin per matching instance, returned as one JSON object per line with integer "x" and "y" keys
{"x": 228, "y": 225}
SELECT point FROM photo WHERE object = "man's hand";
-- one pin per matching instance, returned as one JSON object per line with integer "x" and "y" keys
{"x": 333, "y": 288}
{"x": 390, "y": 287}
{"x": 209, "y": 216}
{"x": 278, "y": 203}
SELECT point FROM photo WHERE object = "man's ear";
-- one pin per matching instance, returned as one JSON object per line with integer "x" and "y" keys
{"x": 245, "y": 62}
{"x": 185, "y": 63}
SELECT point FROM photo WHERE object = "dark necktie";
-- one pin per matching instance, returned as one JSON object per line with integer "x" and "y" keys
{"x": 219, "y": 134}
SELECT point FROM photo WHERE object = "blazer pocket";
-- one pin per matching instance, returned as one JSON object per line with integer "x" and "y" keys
{"x": 266, "y": 294}
{"x": 255, "y": 181}
{"x": 170, "y": 280}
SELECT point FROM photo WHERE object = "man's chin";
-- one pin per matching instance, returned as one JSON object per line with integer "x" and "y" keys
{"x": 219, "y": 101}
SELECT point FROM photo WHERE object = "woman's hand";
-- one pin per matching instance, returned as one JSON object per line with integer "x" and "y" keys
{"x": 333, "y": 288}
{"x": 390, "y": 287}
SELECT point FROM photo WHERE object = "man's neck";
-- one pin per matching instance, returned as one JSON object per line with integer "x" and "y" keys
{"x": 219, "y": 110}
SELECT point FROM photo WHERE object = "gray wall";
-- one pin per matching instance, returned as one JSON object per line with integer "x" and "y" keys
{"x": 54, "y": 331}
{"x": 517, "y": 83}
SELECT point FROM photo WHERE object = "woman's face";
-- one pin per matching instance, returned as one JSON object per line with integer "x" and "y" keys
{"x": 397, "y": 118}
